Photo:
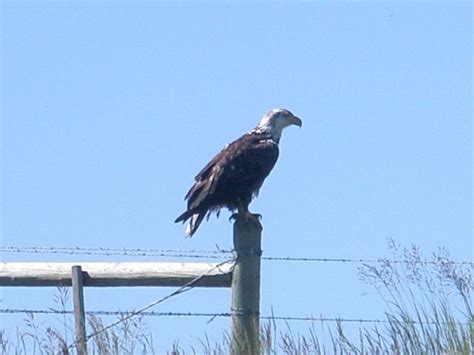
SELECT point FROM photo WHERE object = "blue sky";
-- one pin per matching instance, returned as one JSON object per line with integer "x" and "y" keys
{"x": 108, "y": 110}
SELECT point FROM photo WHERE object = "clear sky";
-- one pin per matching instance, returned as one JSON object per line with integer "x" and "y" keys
{"x": 108, "y": 110}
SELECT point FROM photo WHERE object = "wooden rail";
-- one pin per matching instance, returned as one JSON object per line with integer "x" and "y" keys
{"x": 116, "y": 274}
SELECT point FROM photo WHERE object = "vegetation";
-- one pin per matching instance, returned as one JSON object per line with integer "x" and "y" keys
{"x": 429, "y": 311}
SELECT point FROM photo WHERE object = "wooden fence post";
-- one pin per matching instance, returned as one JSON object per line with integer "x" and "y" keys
{"x": 79, "y": 312}
{"x": 246, "y": 288}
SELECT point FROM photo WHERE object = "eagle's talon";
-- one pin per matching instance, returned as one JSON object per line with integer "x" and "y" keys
{"x": 252, "y": 217}
{"x": 255, "y": 218}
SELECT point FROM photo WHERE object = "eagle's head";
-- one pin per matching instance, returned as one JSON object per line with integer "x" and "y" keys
{"x": 275, "y": 120}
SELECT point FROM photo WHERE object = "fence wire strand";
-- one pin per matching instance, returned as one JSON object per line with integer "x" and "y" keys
{"x": 171, "y": 253}
{"x": 198, "y": 254}
{"x": 206, "y": 315}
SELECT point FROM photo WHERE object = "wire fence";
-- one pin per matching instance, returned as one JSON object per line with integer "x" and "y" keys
{"x": 123, "y": 314}
{"x": 200, "y": 254}
{"x": 203, "y": 254}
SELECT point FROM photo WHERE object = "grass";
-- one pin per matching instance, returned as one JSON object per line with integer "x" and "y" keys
{"x": 428, "y": 311}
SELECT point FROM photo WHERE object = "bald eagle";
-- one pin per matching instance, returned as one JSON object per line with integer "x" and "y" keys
{"x": 234, "y": 176}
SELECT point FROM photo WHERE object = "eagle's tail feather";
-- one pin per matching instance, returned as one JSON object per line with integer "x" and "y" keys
{"x": 195, "y": 219}
{"x": 193, "y": 224}
{"x": 184, "y": 216}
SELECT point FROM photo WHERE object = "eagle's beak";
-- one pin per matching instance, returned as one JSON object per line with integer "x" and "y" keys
{"x": 296, "y": 121}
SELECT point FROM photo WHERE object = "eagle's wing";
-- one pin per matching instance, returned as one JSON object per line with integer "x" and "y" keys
{"x": 207, "y": 178}
{"x": 244, "y": 163}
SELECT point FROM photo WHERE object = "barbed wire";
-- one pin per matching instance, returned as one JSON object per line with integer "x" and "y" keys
{"x": 354, "y": 261}
{"x": 174, "y": 253}
{"x": 212, "y": 316}
{"x": 199, "y": 254}
{"x": 102, "y": 249}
